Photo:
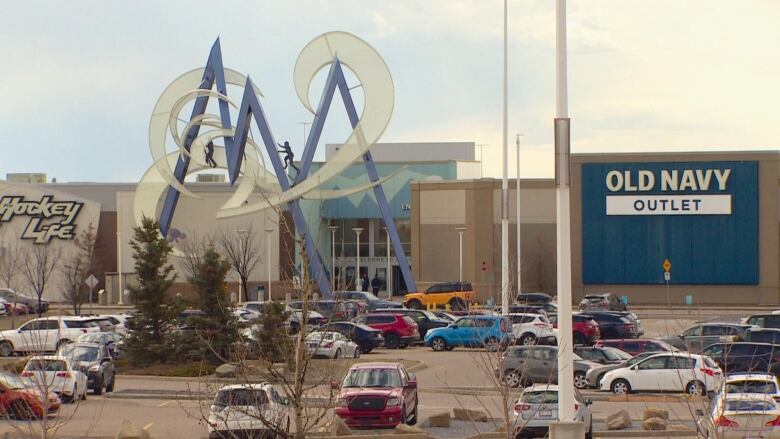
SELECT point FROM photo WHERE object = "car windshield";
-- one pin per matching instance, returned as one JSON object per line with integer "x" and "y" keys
{"x": 748, "y": 405}
{"x": 369, "y": 296}
{"x": 639, "y": 357}
{"x": 372, "y": 378}
{"x": 540, "y": 397}
{"x": 594, "y": 298}
{"x": 46, "y": 365}
{"x": 80, "y": 353}
{"x": 317, "y": 336}
{"x": 241, "y": 397}
{"x": 12, "y": 381}
{"x": 430, "y": 315}
{"x": 751, "y": 386}
{"x": 614, "y": 354}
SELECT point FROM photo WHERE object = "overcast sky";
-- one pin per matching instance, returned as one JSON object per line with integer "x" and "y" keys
{"x": 80, "y": 78}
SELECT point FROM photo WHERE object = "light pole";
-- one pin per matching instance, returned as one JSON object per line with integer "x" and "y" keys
{"x": 460, "y": 231}
{"x": 119, "y": 265}
{"x": 357, "y": 279}
{"x": 333, "y": 257}
{"x": 241, "y": 233}
{"x": 517, "y": 187}
{"x": 304, "y": 130}
{"x": 505, "y": 186}
{"x": 389, "y": 275}
{"x": 268, "y": 231}
{"x": 481, "y": 146}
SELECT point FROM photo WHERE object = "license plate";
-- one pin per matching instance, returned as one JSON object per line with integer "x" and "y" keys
{"x": 753, "y": 437}
{"x": 545, "y": 413}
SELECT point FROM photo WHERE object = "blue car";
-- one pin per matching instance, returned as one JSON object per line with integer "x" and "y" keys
{"x": 492, "y": 332}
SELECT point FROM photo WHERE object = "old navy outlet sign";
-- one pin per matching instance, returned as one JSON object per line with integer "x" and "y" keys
{"x": 702, "y": 216}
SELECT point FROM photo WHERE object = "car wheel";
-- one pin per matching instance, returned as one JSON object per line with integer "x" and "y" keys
{"x": 492, "y": 344}
{"x": 392, "y": 341}
{"x": 620, "y": 387}
{"x": 403, "y": 346}
{"x": 457, "y": 304}
{"x": 99, "y": 386}
{"x": 579, "y": 380}
{"x": 438, "y": 344}
{"x": 449, "y": 348}
{"x": 21, "y": 410}
{"x": 6, "y": 349}
{"x": 579, "y": 338}
{"x": 356, "y": 354}
{"x": 695, "y": 388}
{"x": 415, "y": 304}
{"x": 337, "y": 355}
{"x": 513, "y": 378}
{"x": 110, "y": 386}
{"x": 413, "y": 419}
{"x": 527, "y": 339}
{"x": 365, "y": 348}
{"x": 70, "y": 399}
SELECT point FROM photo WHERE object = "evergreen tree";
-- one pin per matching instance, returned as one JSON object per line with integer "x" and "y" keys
{"x": 151, "y": 336}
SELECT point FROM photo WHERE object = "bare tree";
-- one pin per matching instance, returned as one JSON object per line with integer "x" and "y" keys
{"x": 10, "y": 261}
{"x": 242, "y": 251}
{"x": 38, "y": 265}
{"x": 77, "y": 266}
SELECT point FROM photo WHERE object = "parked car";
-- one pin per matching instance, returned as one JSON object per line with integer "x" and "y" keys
{"x": 119, "y": 321}
{"x": 23, "y": 401}
{"x": 763, "y": 335}
{"x": 612, "y": 325}
{"x": 31, "y": 302}
{"x": 529, "y": 329}
{"x": 525, "y": 309}
{"x": 492, "y": 332}
{"x": 595, "y": 374}
{"x": 637, "y": 346}
{"x": 329, "y": 344}
{"x": 538, "y": 298}
{"x": 698, "y": 336}
{"x": 375, "y": 395}
{"x": 366, "y": 337}
{"x": 293, "y": 322}
{"x": 745, "y": 357}
{"x": 237, "y": 411}
{"x": 243, "y": 315}
{"x": 456, "y": 295}
{"x": 444, "y": 315}
{"x": 537, "y": 407}
{"x": 743, "y": 415}
{"x": 425, "y": 320}
{"x": 525, "y": 365}
{"x": 325, "y": 307}
{"x": 763, "y": 383}
{"x": 94, "y": 361}
{"x": 56, "y": 374}
{"x": 104, "y": 323}
{"x": 692, "y": 374}
{"x": 602, "y": 302}
{"x": 113, "y": 341}
{"x": 585, "y": 330}
{"x": 399, "y": 331}
{"x": 15, "y": 308}
{"x": 764, "y": 320}
{"x": 371, "y": 301}
{"x": 602, "y": 354}
{"x": 45, "y": 334}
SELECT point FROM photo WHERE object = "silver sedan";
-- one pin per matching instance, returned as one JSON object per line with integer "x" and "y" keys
{"x": 331, "y": 345}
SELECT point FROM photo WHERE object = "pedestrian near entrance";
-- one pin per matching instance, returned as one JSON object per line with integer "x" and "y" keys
{"x": 364, "y": 282}
{"x": 375, "y": 284}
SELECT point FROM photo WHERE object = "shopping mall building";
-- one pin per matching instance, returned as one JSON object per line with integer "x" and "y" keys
{"x": 714, "y": 216}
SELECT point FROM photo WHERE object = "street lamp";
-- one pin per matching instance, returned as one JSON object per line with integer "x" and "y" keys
{"x": 268, "y": 231}
{"x": 517, "y": 190}
{"x": 119, "y": 266}
{"x": 388, "y": 276}
{"x": 241, "y": 233}
{"x": 357, "y": 231}
{"x": 460, "y": 231}
{"x": 333, "y": 257}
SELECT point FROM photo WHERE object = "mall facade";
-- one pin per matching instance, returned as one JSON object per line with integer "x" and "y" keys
{"x": 714, "y": 216}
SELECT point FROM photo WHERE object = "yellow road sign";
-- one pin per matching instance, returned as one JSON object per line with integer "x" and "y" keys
{"x": 667, "y": 266}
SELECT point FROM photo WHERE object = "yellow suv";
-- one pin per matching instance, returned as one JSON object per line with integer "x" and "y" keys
{"x": 458, "y": 295}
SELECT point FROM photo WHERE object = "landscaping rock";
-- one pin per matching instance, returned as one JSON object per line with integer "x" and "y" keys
{"x": 618, "y": 421}
{"x": 438, "y": 420}
{"x": 229, "y": 370}
{"x": 655, "y": 413}
{"x": 408, "y": 429}
{"x": 654, "y": 424}
{"x": 469, "y": 415}
{"x": 128, "y": 430}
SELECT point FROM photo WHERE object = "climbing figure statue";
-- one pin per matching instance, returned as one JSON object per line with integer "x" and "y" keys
{"x": 288, "y": 156}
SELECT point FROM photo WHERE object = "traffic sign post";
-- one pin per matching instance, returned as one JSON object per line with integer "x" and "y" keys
{"x": 91, "y": 282}
{"x": 667, "y": 266}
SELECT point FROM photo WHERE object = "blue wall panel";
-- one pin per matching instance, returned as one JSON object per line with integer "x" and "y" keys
{"x": 703, "y": 249}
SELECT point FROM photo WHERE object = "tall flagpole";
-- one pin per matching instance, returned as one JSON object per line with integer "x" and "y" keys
{"x": 562, "y": 150}
{"x": 519, "y": 240}
{"x": 505, "y": 190}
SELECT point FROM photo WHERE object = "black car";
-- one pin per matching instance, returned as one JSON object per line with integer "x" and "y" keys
{"x": 366, "y": 337}
{"x": 602, "y": 354}
{"x": 743, "y": 357}
{"x": 771, "y": 336}
{"x": 613, "y": 325}
{"x": 94, "y": 361}
{"x": 533, "y": 298}
{"x": 425, "y": 319}
{"x": 369, "y": 299}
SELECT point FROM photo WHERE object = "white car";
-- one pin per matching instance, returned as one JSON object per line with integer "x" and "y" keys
{"x": 666, "y": 372}
{"x": 293, "y": 323}
{"x": 537, "y": 407}
{"x": 529, "y": 329}
{"x": 331, "y": 345}
{"x": 46, "y": 334}
{"x": 119, "y": 321}
{"x": 764, "y": 383}
{"x": 243, "y": 408}
{"x": 741, "y": 415}
{"x": 52, "y": 373}
{"x": 244, "y": 315}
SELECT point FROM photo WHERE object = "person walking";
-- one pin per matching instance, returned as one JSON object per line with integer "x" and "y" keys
{"x": 375, "y": 283}
{"x": 364, "y": 283}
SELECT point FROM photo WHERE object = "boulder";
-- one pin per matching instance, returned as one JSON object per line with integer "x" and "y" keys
{"x": 441, "y": 419}
{"x": 618, "y": 421}
{"x": 339, "y": 428}
{"x": 469, "y": 415}
{"x": 655, "y": 413}
{"x": 407, "y": 429}
{"x": 654, "y": 424}
{"x": 128, "y": 430}
{"x": 230, "y": 370}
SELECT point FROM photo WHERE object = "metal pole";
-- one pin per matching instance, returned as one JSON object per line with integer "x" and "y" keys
{"x": 389, "y": 275}
{"x": 562, "y": 148}
{"x": 460, "y": 231}
{"x": 268, "y": 232}
{"x": 119, "y": 265}
{"x": 505, "y": 187}
{"x": 481, "y": 147}
{"x": 519, "y": 222}
{"x": 357, "y": 278}
{"x": 333, "y": 257}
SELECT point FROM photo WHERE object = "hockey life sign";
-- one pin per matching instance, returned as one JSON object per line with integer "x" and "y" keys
{"x": 699, "y": 190}
{"x": 48, "y": 218}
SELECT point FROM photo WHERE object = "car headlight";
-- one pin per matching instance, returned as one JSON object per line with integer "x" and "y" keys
{"x": 341, "y": 402}
{"x": 94, "y": 368}
{"x": 394, "y": 401}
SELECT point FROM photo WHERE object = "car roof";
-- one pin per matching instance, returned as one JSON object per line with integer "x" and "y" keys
{"x": 254, "y": 386}
{"x": 541, "y": 388}
{"x": 377, "y": 365}
{"x": 750, "y": 376}
{"x": 48, "y": 357}
{"x": 85, "y": 344}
